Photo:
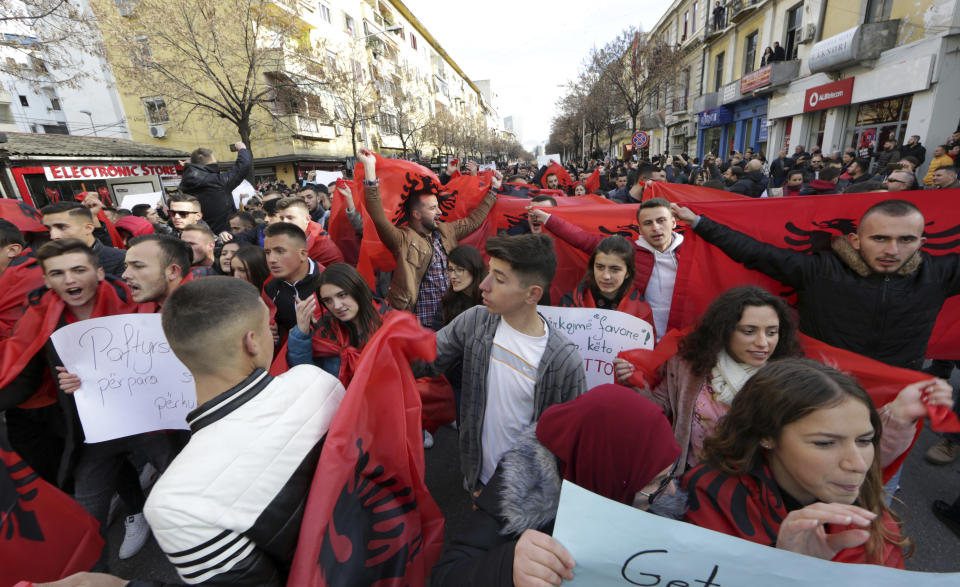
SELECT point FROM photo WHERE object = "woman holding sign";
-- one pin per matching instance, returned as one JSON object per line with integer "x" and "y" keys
{"x": 608, "y": 282}
{"x": 795, "y": 464}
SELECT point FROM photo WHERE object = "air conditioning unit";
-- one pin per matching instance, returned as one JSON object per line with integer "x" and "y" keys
{"x": 157, "y": 131}
{"x": 337, "y": 130}
{"x": 809, "y": 33}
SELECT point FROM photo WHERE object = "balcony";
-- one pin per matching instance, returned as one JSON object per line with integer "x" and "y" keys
{"x": 680, "y": 104}
{"x": 307, "y": 127}
{"x": 767, "y": 78}
{"x": 740, "y": 10}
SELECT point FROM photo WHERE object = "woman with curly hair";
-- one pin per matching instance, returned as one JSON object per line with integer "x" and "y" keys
{"x": 796, "y": 465}
{"x": 741, "y": 330}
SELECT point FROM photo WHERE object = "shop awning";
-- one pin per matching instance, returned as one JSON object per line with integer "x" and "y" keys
{"x": 22, "y": 146}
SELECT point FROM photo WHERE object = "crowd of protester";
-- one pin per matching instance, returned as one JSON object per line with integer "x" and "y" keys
{"x": 242, "y": 291}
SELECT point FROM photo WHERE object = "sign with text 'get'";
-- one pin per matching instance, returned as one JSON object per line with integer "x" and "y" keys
{"x": 617, "y": 545}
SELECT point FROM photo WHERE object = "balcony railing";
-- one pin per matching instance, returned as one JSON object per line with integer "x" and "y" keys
{"x": 738, "y": 10}
{"x": 680, "y": 103}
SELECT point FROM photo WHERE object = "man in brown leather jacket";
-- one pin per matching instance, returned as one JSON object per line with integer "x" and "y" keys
{"x": 420, "y": 248}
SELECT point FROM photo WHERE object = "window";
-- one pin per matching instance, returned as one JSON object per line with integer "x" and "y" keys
{"x": 6, "y": 115}
{"x": 325, "y": 12}
{"x": 56, "y": 129}
{"x": 693, "y": 17}
{"x": 156, "y": 109}
{"x": 54, "y": 99}
{"x": 413, "y": 41}
{"x": 718, "y": 69}
{"x": 357, "y": 70}
{"x": 750, "y": 53}
{"x": 23, "y": 100}
{"x": 140, "y": 54}
{"x": 794, "y": 21}
{"x": 348, "y": 25}
{"x": 366, "y": 29}
{"x": 686, "y": 25}
{"x": 877, "y": 10}
{"x": 332, "y": 62}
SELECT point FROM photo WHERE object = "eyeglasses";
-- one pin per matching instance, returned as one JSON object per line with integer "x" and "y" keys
{"x": 182, "y": 213}
{"x": 674, "y": 471}
{"x": 456, "y": 270}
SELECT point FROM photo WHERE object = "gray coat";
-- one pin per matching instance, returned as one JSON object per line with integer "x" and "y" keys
{"x": 560, "y": 377}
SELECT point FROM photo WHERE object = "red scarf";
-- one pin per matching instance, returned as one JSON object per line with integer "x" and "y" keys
{"x": 629, "y": 304}
{"x": 332, "y": 338}
{"x": 610, "y": 440}
{"x": 15, "y": 283}
{"x": 562, "y": 176}
{"x": 41, "y": 319}
{"x": 751, "y": 507}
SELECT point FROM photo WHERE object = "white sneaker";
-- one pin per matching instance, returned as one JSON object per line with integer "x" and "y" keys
{"x": 135, "y": 534}
{"x": 427, "y": 439}
{"x": 148, "y": 476}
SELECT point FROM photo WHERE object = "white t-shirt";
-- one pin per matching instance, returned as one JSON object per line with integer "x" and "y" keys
{"x": 659, "y": 292}
{"x": 511, "y": 377}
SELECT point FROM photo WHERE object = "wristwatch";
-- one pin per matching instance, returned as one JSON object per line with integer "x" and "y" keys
{"x": 371, "y": 183}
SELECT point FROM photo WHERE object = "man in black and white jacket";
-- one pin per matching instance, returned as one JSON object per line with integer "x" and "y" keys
{"x": 228, "y": 509}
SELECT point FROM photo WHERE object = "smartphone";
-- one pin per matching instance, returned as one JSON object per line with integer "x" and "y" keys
{"x": 233, "y": 147}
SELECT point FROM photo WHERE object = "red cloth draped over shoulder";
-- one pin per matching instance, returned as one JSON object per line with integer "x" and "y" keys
{"x": 592, "y": 183}
{"x": 562, "y": 176}
{"x": 751, "y": 507}
{"x": 632, "y": 304}
{"x": 16, "y": 282}
{"x": 42, "y": 318}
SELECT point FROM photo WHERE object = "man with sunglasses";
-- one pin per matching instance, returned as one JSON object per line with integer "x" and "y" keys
{"x": 899, "y": 181}
{"x": 184, "y": 210}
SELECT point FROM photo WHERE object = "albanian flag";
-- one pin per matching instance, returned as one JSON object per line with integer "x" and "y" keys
{"x": 527, "y": 190}
{"x": 684, "y": 194}
{"x": 22, "y": 215}
{"x": 562, "y": 176}
{"x": 369, "y": 518}
{"x": 593, "y": 182}
{"x": 45, "y": 535}
{"x": 808, "y": 223}
{"x": 20, "y": 278}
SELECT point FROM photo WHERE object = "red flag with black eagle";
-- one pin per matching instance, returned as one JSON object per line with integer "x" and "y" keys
{"x": 808, "y": 223}
{"x": 19, "y": 279}
{"x": 22, "y": 215}
{"x": 592, "y": 183}
{"x": 45, "y": 535}
{"x": 369, "y": 518}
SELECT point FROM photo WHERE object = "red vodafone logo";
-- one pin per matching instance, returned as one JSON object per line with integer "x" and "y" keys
{"x": 838, "y": 93}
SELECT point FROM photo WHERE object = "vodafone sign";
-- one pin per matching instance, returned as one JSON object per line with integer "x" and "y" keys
{"x": 838, "y": 93}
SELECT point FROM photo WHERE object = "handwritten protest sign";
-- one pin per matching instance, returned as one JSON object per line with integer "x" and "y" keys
{"x": 617, "y": 545}
{"x": 543, "y": 160}
{"x": 599, "y": 335}
{"x": 151, "y": 199}
{"x": 327, "y": 177}
{"x": 131, "y": 382}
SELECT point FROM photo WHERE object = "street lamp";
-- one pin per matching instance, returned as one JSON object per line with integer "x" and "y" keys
{"x": 90, "y": 114}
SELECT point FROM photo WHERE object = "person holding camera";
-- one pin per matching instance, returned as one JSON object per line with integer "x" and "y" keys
{"x": 203, "y": 179}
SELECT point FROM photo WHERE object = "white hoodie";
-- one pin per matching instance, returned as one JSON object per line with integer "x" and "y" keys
{"x": 659, "y": 292}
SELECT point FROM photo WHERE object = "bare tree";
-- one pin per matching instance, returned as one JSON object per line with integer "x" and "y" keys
{"x": 633, "y": 64}
{"x": 230, "y": 59}
{"x": 46, "y": 41}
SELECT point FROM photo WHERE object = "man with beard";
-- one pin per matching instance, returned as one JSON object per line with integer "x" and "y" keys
{"x": 874, "y": 293}
{"x": 156, "y": 265}
{"x": 420, "y": 248}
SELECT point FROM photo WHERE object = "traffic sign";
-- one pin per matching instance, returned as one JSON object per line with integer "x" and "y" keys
{"x": 640, "y": 139}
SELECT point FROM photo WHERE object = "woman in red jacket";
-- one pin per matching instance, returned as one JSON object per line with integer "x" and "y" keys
{"x": 608, "y": 282}
{"x": 795, "y": 465}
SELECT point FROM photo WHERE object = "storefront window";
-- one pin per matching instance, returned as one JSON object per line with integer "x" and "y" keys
{"x": 816, "y": 134}
{"x": 747, "y": 133}
{"x": 877, "y": 122}
{"x": 711, "y": 141}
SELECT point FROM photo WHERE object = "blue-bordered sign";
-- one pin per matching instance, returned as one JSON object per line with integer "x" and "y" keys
{"x": 640, "y": 139}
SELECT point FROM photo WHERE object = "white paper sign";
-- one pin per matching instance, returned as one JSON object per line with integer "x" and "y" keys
{"x": 243, "y": 192}
{"x": 487, "y": 167}
{"x": 131, "y": 382}
{"x": 327, "y": 177}
{"x": 546, "y": 159}
{"x": 617, "y": 545}
{"x": 151, "y": 199}
{"x": 599, "y": 335}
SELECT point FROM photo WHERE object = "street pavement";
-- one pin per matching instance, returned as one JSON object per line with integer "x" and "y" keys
{"x": 938, "y": 549}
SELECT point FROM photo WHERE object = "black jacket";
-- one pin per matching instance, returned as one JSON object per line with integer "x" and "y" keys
{"x": 212, "y": 187}
{"x": 750, "y": 184}
{"x": 918, "y": 151}
{"x": 843, "y": 303}
{"x": 778, "y": 170}
{"x": 523, "y": 494}
{"x": 112, "y": 260}
{"x": 282, "y": 294}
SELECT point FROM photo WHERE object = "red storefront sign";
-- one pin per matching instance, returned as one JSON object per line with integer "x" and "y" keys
{"x": 838, "y": 93}
{"x": 82, "y": 172}
{"x": 755, "y": 79}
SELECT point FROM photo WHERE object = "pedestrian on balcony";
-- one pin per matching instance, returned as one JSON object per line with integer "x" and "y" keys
{"x": 778, "y": 53}
{"x": 719, "y": 14}
{"x": 767, "y": 58}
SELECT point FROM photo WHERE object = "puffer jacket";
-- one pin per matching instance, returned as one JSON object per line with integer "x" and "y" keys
{"x": 412, "y": 250}
{"x": 523, "y": 494}
{"x": 843, "y": 303}
{"x": 213, "y": 188}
